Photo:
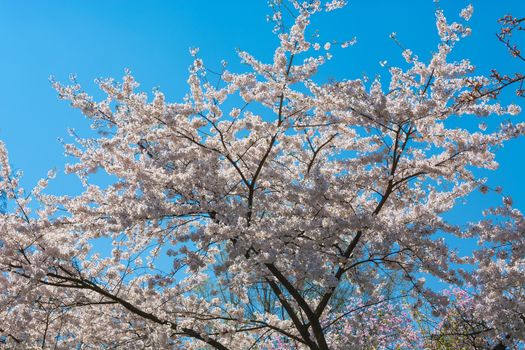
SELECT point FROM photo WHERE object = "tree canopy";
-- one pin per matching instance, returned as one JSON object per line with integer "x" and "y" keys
{"x": 267, "y": 210}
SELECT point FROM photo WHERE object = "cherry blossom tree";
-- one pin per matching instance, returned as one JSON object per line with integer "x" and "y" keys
{"x": 511, "y": 29}
{"x": 268, "y": 210}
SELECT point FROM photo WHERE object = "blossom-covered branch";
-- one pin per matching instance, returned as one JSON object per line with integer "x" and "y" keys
{"x": 270, "y": 210}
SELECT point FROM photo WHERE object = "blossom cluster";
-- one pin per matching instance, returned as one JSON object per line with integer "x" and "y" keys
{"x": 270, "y": 211}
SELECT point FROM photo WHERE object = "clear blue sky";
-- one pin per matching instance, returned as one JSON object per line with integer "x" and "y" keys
{"x": 100, "y": 38}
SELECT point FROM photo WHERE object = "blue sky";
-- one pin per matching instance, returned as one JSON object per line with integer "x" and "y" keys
{"x": 101, "y": 38}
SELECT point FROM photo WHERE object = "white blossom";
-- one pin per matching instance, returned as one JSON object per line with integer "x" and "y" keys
{"x": 272, "y": 211}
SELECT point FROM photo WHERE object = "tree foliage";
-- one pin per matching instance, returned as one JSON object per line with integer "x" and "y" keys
{"x": 268, "y": 210}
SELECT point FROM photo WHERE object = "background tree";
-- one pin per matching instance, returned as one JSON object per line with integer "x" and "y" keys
{"x": 269, "y": 210}
{"x": 511, "y": 28}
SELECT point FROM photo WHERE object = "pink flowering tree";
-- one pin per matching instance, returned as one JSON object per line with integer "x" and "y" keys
{"x": 267, "y": 210}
